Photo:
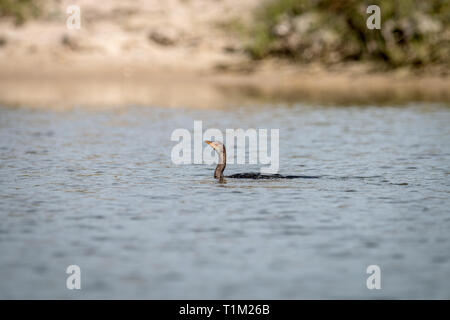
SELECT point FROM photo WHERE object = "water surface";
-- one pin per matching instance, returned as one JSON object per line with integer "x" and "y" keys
{"x": 98, "y": 189}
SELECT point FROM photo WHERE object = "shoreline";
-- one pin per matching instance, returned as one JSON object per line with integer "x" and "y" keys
{"x": 179, "y": 54}
{"x": 100, "y": 85}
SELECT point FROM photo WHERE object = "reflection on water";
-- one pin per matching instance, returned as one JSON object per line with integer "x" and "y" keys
{"x": 98, "y": 189}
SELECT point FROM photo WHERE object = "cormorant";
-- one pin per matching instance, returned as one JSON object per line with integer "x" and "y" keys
{"x": 218, "y": 173}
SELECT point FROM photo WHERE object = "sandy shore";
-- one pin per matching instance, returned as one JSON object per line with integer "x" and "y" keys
{"x": 177, "y": 54}
{"x": 110, "y": 85}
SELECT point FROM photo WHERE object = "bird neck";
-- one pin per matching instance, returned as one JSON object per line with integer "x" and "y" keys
{"x": 218, "y": 173}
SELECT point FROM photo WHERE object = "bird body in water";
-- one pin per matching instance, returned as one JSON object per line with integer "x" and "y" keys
{"x": 218, "y": 173}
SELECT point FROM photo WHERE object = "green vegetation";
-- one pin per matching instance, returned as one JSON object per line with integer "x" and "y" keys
{"x": 413, "y": 32}
{"x": 19, "y": 10}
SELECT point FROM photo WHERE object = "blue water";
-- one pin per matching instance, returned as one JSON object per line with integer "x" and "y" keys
{"x": 98, "y": 189}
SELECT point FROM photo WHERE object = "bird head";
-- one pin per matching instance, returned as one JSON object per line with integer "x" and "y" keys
{"x": 216, "y": 145}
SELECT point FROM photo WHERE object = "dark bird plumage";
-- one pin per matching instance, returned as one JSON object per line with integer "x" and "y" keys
{"x": 218, "y": 173}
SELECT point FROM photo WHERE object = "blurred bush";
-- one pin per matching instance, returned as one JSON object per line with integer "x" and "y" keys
{"x": 19, "y": 10}
{"x": 413, "y": 32}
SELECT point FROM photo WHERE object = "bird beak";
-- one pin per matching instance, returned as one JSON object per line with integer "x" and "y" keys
{"x": 210, "y": 143}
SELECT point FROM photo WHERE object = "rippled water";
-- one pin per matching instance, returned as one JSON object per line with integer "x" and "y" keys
{"x": 98, "y": 189}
